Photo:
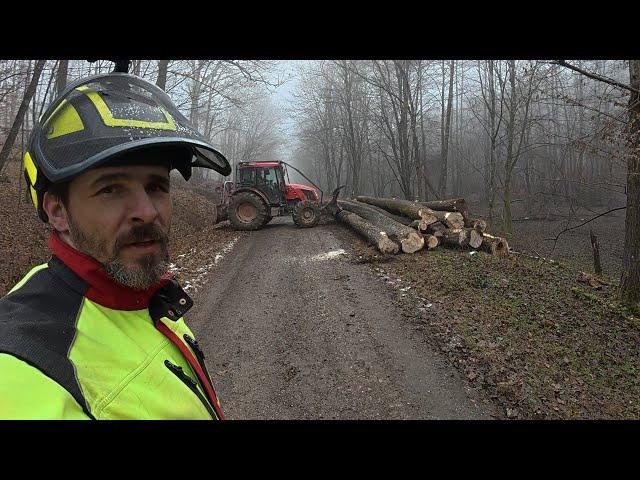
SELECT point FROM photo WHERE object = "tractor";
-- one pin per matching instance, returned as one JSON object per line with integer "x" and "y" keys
{"x": 261, "y": 193}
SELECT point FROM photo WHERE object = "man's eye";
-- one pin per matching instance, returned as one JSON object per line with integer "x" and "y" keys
{"x": 156, "y": 187}
{"x": 107, "y": 190}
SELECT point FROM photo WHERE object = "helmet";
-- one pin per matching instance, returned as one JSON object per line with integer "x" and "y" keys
{"x": 107, "y": 117}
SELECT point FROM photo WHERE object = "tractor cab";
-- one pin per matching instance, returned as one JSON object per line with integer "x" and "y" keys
{"x": 260, "y": 193}
{"x": 269, "y": 178}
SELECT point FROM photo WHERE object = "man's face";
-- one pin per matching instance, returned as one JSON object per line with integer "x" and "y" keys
{"x": 121, "y": 216}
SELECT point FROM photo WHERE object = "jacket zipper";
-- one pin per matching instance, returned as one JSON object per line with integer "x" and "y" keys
{"x": 188, "y": 381}
{"x": 195, "y": 346}
{"x": 196, "y": 367}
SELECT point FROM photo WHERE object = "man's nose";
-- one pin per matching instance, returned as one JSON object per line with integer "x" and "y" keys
{"x": 143, "y": 210}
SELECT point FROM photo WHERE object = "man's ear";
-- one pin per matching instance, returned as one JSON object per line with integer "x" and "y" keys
{"x": 57, "y": 213}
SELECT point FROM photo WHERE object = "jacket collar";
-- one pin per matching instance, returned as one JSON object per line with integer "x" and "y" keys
{"x": 102, "y": 288}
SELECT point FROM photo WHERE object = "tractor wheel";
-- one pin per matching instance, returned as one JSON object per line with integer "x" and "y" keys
{"x": 247, "y": 211}
{"x": 306, "y": 214}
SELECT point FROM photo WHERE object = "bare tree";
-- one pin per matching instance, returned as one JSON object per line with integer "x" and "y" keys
{"x": 26, "y": 99}
{"x": 61, "y": 76}
{"x": 163, "y": 66}
{"x": 445, "y": 129}
{"x": 630, "y": 280}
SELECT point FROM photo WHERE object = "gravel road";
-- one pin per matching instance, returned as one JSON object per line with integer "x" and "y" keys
{"x": 294, "y": 329}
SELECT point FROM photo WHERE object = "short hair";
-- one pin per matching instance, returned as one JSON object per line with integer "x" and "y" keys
{"x": 61, "y": 191}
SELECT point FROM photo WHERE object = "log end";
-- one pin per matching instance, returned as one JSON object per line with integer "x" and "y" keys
{"x": 500, "y": 247}
{"x": 480, "y": 226}
{"x": 431, "y": 241}
{"x": 454, "y": 220}
{"x": 412, "y": 243}
{"x": 475, "y": 239}
{"x": 386, "y": 245}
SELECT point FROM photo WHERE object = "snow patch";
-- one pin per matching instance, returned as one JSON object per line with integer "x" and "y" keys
{"x": 192, "y": 284}
{"x": 328, "y": 255}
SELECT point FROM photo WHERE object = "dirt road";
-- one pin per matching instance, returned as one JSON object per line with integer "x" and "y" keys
{"x": 294, "y": 329}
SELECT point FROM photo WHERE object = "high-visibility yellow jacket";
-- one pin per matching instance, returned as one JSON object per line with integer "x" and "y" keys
{"x": 74, "y": 344}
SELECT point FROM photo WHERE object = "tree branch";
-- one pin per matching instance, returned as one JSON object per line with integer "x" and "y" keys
{"x": 595, "y": 76}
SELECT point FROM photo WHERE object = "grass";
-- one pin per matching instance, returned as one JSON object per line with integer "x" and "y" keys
{"x": 541, "y": 343}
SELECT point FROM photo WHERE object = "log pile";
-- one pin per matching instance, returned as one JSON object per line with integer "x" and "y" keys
{"x": 393, "y": 225}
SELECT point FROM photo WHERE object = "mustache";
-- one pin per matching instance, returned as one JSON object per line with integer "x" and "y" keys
{"x": 141, "y": 233}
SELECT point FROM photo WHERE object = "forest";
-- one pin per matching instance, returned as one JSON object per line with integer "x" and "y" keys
{"x": 547, "y": 140}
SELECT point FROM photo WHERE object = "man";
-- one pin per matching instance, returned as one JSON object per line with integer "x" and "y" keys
{"x": 97, "y": 332}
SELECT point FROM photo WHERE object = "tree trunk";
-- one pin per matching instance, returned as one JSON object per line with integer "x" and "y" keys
{"x": 398, "y": 218}
{"x": 410, "y": 240}
{"x": 595, "y": 246}
{"x": 509, "y": 163}
{"x": 449, "y": 205}
{"x": 412, "y": 210}
{"x": 369, "y": 231}
{"x": 26, "y": 99}
{"x": 446, "y": 124}
{"x": 630, "y": 280}
{"x": 61, "y": 77}
{"x": 163, "y": 66}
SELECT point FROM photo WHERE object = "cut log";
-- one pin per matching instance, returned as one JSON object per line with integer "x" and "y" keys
{"x": 450, "y": 219}
{"x": 476, "y": 223}
{"x": 410, "y": 240}
{"x": 431, "y": 241}
{"x": 437, "y": 229}
{"x": 458, "y": 205}
{"x": 412, "y": 210}
{"x": 458, "y": 237}
{"x": 450, "y": 205}
{"x": 368, "y": 231}
{"x": 495, "y": 245}
{"x": 398, "y": 218}
{"x": 475, "y": 238}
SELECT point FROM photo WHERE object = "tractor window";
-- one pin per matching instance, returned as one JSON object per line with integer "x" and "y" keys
{"x": 270, "y": 177}
{"x": 248, "y": 176}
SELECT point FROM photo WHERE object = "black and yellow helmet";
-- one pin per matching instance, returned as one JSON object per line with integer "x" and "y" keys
{"x": 101, "y": 118}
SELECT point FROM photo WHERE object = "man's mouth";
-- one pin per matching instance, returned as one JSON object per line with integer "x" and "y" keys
{"x": 144, "y": 245}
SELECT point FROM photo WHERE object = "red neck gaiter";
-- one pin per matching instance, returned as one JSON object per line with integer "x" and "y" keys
{"x": 102, "y": 288}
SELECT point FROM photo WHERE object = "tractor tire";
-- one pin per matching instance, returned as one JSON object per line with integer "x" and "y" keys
{"x": 306, "y": 214}
{"x": 247, "y": 211}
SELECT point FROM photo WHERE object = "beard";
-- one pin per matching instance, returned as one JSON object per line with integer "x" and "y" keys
{"x": 140, "y": 274}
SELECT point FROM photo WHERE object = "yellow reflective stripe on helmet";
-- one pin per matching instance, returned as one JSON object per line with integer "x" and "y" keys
{"x": 31, "y": 169}
{"x": 67, "y": 122}
{"x": 34, "y": 196}
{"x": 62, "y": 103}
{"x": 110, "y": 121}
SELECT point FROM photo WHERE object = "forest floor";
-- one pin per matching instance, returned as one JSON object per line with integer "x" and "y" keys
{"x": 539, "y": 338}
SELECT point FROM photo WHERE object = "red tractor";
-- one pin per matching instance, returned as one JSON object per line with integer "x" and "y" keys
{"x": 261, "y": 193}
